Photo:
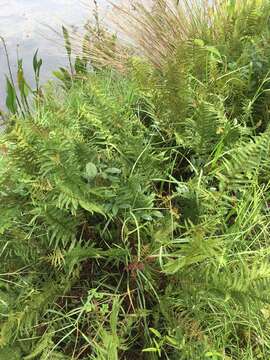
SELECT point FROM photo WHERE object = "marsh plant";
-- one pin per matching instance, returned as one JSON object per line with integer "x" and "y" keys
{"x": 134, "y": 199}
{"x": 19, "y": 94}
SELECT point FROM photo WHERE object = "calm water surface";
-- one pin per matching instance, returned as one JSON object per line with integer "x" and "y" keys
{"x": 24, "y": 25}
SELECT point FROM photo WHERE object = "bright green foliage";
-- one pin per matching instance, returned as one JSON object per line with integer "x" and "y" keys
{"x": 134, "y": 208}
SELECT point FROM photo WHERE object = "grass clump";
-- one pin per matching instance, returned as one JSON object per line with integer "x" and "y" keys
{"x": 134, "y": 212}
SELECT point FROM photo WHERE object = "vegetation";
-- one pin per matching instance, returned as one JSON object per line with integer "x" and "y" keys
{"x": 134, "y": 199}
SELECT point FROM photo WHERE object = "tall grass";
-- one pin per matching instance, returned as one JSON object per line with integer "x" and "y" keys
{"x": 134, "y": 199}
{"x": 18, "y": 91}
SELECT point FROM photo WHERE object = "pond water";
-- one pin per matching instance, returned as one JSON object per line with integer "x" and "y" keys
{"x": 25, "y": 26}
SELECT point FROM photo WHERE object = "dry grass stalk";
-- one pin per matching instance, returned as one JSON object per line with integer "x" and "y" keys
{"x": 153, "y": 30}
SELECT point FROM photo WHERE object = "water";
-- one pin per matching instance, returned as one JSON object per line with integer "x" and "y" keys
{"x": 25, "y": 23}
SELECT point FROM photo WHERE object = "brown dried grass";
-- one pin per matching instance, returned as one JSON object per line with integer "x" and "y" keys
{"x": 152, "y": 29}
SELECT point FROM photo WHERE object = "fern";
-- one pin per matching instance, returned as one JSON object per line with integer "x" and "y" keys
{"x": 134, "y": 205}
{"x": 247, "y": 161}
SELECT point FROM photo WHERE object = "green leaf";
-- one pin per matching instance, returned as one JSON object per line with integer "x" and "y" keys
{"x": 92, "y": 208}
{"x": 4, "y": 302}
{"x": 213, "y": 50}
{"x": 113, "y": 170}
{"x": 150, "y": 350}
{"x": 147, "y": 217}
{"x": 171, "y": 340}
{"x": 11, "y": 101}
{"x": 199, "y": 42}
{"x": 63, "y": 75}
{"x": 155, "y": 332}
{"x": 214, "y": 354}
{"x": 37, "y": 63}
{"x": 91, "y": 170}
{"x": 23, "y": 86}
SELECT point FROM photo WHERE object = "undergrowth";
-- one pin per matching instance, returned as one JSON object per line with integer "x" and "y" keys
{"x": 134, "y": 204}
